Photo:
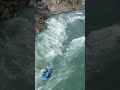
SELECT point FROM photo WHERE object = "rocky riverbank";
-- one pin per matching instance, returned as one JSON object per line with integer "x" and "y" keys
{"x": 60, "y": 6}
{"x": 45, "y": 8}
{"x": 42, "y": 12}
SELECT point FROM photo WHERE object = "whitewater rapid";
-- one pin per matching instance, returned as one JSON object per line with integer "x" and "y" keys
{"x": 54, "y": 50}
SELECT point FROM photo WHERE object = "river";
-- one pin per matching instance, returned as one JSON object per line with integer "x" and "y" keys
{"x": 61, "y": 46}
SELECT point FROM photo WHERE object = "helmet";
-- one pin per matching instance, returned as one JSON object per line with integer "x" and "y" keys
{"x": 43, "y": 70}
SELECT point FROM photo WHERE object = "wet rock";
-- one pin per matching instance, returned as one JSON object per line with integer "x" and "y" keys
{"x": 42, "y": 13}
{"x": 39, "y": 23}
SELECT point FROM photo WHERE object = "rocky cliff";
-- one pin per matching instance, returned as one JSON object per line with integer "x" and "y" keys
{"x": 60, "y": 6}
{"x": 46, "y": 8}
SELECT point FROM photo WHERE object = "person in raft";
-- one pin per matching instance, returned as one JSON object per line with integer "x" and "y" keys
{"x": 47, "y": 70}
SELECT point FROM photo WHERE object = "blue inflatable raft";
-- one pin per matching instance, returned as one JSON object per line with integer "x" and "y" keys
{"x": 46, "y": 75}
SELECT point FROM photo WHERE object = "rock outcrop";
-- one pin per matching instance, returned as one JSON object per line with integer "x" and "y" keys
{"x": 60, "y": 6}
{"x": 42, "y": 12}
{"x": 45, "y": 8}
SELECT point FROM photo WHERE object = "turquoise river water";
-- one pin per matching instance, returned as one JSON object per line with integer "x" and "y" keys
{"x": 61, "y": 46}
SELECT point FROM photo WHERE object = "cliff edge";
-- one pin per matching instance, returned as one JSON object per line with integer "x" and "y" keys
{"x": 45, "y": 8}
{"x": 60, "y": 6}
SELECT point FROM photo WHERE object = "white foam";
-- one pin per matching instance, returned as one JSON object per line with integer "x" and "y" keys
{"x": 50, "y": 41}
{"x": 75, "y": 46}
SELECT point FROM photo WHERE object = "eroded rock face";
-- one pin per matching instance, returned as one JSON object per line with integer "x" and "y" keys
{"x": 103, "y": 59}
{"x": 45, "y": 8}
{"x": 8, "y": 8}
{"x": 42, "y": 13}
{"x": 39, "y": 23}
{"x": 60, "y": 6}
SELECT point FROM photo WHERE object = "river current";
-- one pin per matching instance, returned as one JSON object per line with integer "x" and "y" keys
{"x": 61, "y": 46}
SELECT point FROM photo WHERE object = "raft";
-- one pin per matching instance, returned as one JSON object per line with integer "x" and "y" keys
{"x": 46, "y": 75}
